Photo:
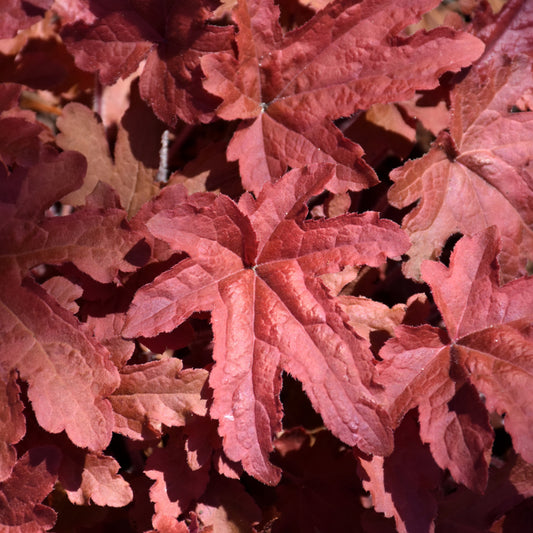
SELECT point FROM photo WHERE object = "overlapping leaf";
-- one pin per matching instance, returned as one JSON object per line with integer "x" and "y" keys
{"x": 285, "y": 290}
{"x": 69, "y": 374}
{"x": 404, "y": 484}
{"x": 101, "y": 484}
{"x": 478, "y": 174}
{"x": 133, "y": 181}
{"x": 424, "y": 368}
{"x": 289, "y": 87}
{"x": 176, "y": 484}
{"x": 34, "y": 475}
{"x": 157, "y": 393}
{"x": 16, "y": 15}
{"x": 256, "y": 273}
{"x": 13, "y": 424}
{"x": 170, "y": 37}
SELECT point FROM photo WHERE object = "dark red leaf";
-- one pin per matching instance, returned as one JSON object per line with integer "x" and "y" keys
{"x": 171, "y": 39}
{"x": 33, "y": 478}
{"x": 404, "y": 484}
{"x": 13, "y": 423}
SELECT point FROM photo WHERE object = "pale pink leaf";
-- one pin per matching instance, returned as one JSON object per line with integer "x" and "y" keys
{"x": 101, "y": 483}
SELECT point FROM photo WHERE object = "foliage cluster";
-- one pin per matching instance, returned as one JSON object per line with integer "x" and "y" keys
{"x": 264, "y": 266}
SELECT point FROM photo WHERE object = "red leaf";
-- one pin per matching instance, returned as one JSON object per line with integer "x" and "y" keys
{"x": 484, "y": 320}
{"x": 477, "y": 175}
{"x": 13, "y": 424}
{"x": 509, "y": 484}
{"x": 132, "y": 181}
{"x": 176, "y": 485}
{"x": 156, "y": 393}
{"x": 416, "y": 372}
{"x": 16, "y": 15}
{"x": 45, "y": 343}
{"x": 321, "y": 488}
{"x": 171, "y": 40}
{"x": 64, "y": 292}
{"x": 423, "y": 368}
{"x": 21, "y": 495}
{"x": 289, "y": 87}
{"x": 227, "y": 507}
{"x": 507, "y": 33}
{"x": 403, "y": 485}
{"x": 38, "y": 335}
{"x": 84, "y": 476}
{"x": 9, "y": 95}
{"x": 257, "y": 275}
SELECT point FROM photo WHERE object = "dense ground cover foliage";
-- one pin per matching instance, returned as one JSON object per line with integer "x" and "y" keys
{"x": 265, "y": 266}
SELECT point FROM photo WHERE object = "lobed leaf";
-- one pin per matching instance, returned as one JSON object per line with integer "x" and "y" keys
{"x": 69, "y": 375}
{"x": 425, "y": 369}
{"x": 156, "y": 393}
{"x": 33, "y": 478}
{"x": 269, "y": 312}
{"x": 170, "y": 39}
{"x": 477, "y": 174}
{"x": 287, "y": 88}
{"x": 13, "y": 424}
{"x": 131, "y": 179}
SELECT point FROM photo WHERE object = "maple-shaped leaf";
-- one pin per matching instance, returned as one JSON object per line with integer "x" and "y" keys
{"x": 170, "y": 38}
{"x": 130, "y": 178}
{"x": 488, "y": 345}
{"x": 288, "y": 88}
{"x": 156, "y": 393}
{"x": 33, "y": 478}
{"x": 478, "y": 173}
{"x": 256, "y": 271}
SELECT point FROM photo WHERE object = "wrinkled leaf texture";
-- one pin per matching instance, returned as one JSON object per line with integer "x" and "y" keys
{"x": 288, "y": 88}
{"x": 478, "y": 172}
{"x": 69, "y": 374}
{"x": 255, "y": 267}
{"x": 425, "y": 367}
{"x": 170, "y": 37}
